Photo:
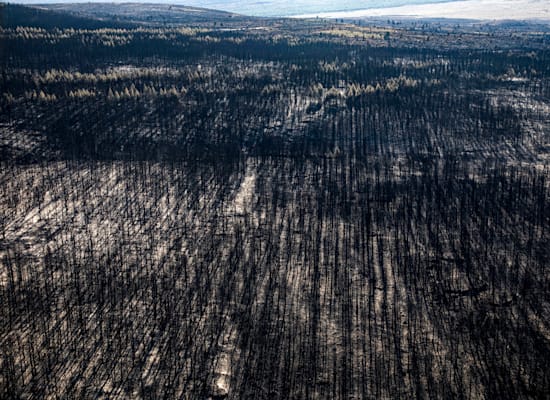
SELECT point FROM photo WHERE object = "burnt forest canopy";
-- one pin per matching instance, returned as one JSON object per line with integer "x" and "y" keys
{"x": 199, "y": 204}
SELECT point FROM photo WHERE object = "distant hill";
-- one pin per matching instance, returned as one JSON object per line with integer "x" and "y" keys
{"x": 111, "y": 15}
{"x": 144, "y": 13}
{"x": 13, "y": 15}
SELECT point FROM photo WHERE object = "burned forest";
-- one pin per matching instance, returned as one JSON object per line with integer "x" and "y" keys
{"x": 201, "y": 205}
